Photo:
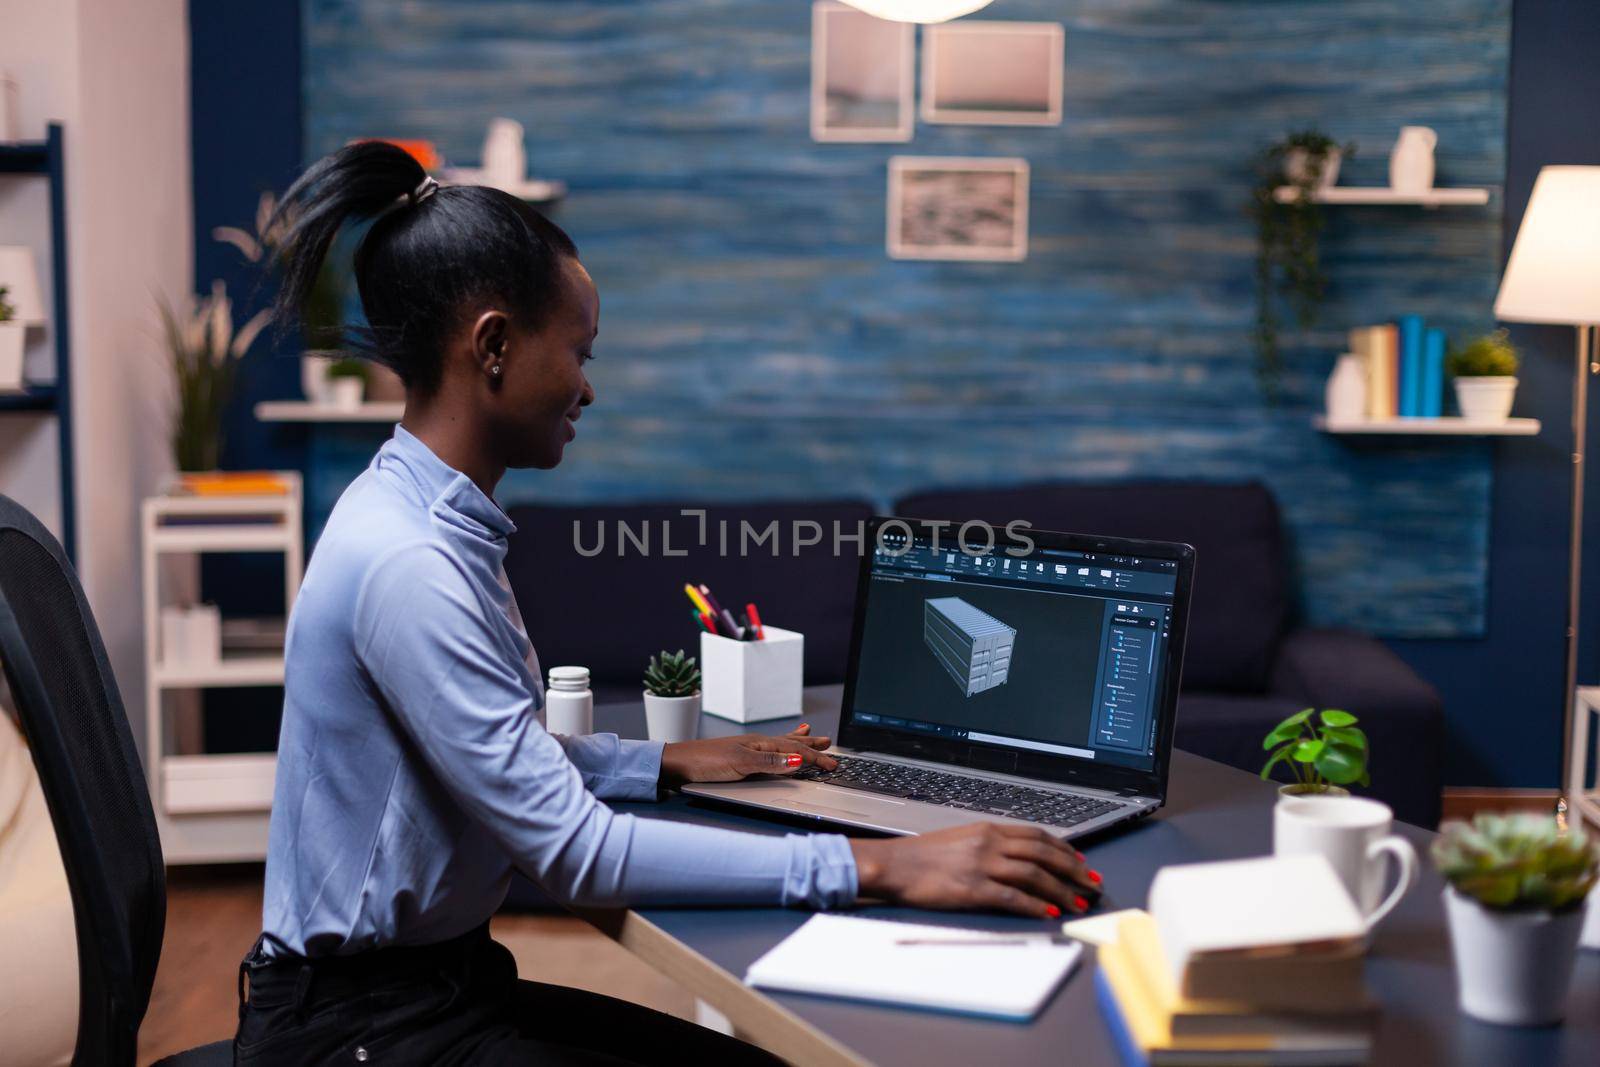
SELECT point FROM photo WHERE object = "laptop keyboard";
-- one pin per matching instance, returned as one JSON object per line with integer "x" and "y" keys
{"x": 958, "y": 791}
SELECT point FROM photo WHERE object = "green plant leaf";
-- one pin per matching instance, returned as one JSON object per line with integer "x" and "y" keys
{"x": 1341, "y": 765}
{"x": 1286, "y": 729}
{"x": 1349, "y": 736}
{"x": 1307, "y": 751}
{"x": 1277, "y": 758}
{"x": 1335, "y": 717}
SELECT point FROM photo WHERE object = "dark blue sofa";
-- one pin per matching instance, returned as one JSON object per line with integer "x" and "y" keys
{"x": 1248, "y": 665}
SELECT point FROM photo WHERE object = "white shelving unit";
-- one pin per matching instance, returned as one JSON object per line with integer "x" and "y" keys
{"x": 308, "y": 411}
{"x": 1377, "y": 194}
{"x": 1447, "y": 426}
{"x": 212, "y": 808}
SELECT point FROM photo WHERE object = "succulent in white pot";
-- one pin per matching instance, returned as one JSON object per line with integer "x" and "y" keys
{"x": 672, "y": 697}
{"x": 1485, "y": 373}
{"x": 1515, "y": 905}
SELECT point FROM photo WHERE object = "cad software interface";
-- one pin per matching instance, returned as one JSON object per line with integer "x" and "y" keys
{"x": 1059, "y": 652}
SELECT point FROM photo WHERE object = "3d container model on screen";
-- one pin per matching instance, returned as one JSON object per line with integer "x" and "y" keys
{"x": 972, "y": 645}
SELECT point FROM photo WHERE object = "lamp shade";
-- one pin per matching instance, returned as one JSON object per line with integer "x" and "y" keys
{"x": 1554, "y": 272}
{"x": 21, "y": 279}
{"x": 918, "y": 10}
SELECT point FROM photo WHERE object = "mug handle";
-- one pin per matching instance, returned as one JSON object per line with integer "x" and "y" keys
{"x": 1406, "y": 860}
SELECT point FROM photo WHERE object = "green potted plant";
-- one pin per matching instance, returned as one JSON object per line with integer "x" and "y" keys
{"x": 672, "y": 697}
{"x": 204, "y": 351}
{"x": 347, "y": 383}
{"x": 1324, "y": 756}
{"x": 1288, "y": 267}
{"x": 1515, "y": 904}
{"x": 12, "y": 336}
{"x": 1485, "y": 375}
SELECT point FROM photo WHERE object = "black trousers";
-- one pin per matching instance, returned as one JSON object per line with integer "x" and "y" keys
{"x": 454, "y": 1003}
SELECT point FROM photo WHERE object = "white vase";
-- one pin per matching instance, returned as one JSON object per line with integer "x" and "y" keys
{"x": 1411, "y": 160}
{"x": 1346, "y": 393}
{"x": 1512, "y": 968}
{"x": 1486, "y": 400}
{"x": 672, "y": 718}
{"x": 346, "y": 393}
{"x": 13, "y": 338}
{"x": 1297, "y": 166}
{"x": 314, "y": 381}
{"x": 505, "y": 161}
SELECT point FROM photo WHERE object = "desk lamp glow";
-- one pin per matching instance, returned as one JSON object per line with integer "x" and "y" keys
{"x": 1554, "y": 277}
{"x": 918, "y": 10}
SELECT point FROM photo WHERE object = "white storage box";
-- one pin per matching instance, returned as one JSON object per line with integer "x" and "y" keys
{"x": 752, "y": 681}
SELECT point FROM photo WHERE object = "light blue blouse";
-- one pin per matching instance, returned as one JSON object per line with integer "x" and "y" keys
{"x": 414, "y": 770}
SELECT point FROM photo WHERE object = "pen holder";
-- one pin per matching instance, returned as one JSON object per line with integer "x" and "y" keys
{"x": 752, "y": 681}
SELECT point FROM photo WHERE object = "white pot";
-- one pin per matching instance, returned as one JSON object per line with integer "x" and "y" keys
{"x": 12, "y": 336}
{"x": 1487, "y": 399}
{"x": 1297, "y": 163}
{"x": 1346, "y": 394}
{"x": 346, "y": 393}
{"x": 1512, "y": 968}
{"x": 1411, "y": 160}
{"x": 672, "y": 718}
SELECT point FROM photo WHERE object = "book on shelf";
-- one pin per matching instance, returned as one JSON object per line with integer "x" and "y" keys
{"x": 1433, "y": 373}
{"x": 1410, "y": 330}
{"x": 230, "y": 483}
{"x": 1376, "y": 347}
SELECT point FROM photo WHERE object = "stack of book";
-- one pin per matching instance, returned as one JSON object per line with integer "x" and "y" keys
{"x": 1405, "y": 368}
{"x": 1250, "y": 962}
{"x": 230, "y": 483}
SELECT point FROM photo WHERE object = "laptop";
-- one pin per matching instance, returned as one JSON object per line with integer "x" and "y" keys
{"x": 1023, "y": 677}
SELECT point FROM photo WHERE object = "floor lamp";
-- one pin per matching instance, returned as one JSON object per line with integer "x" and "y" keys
{"x": 1554, "y": 277}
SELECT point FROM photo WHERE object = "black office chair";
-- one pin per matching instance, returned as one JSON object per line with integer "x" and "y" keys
{"x": 94, "y": 787}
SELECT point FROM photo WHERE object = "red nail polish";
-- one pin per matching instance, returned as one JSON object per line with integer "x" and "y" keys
{"x": 1080, "y": 903}
{"x": 1052, "y": 911}
{"x": 803, "y": 726}
{"x": 793, "y": 759}
{"x": 1094, "y": 876}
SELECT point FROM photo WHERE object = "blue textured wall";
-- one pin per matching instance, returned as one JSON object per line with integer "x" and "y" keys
{"x": 756, "y": 341}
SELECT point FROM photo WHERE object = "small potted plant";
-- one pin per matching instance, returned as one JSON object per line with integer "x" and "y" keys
{"x": 1288, "y": 267}
{"x": 12, "y": 335}
{"x": 1515, "y": 904}
{"x": 1485, "y": 373}
{"x": 672, "y": 697}
{"x": 347, "y": 383}
{"x": 204, "y": 351}
{"x": 1325, "y": 756}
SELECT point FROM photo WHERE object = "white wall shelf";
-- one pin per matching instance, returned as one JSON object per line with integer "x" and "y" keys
{"x": 1447, "y": 426}
{"x": 307, "y": 411}
{"x": 1378, "y": 194}
{"x": 213, "y": 808}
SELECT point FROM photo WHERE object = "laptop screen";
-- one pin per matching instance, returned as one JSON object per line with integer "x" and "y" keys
{"x": 1050, "y": 646}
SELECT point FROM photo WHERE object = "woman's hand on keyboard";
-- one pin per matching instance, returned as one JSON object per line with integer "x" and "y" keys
{"x": 729, "y": 759}
{"x": 982, "y": 865}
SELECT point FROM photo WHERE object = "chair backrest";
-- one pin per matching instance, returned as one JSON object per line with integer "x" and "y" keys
{"x": 92, "y": 781}
{"x": 1241, "y": 598}
{"x": 611, "y": 610}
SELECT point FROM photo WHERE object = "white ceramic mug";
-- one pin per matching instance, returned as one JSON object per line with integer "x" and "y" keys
{"x": 1352, "y": 834}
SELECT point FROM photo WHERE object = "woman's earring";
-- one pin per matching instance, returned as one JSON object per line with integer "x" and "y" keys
{"x": 494, "y": 375}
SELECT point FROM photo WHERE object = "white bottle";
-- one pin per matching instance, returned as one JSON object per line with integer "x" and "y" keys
{"x": 1411, "y": 161}
{"x": 1346, "y": 393}
{"x": 568, "y": 704}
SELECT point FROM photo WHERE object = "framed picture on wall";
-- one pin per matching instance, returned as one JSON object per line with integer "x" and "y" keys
{"x": 992, "y": 73}
{"x": 958, "y": 208}
{"x": 862, "y": 76}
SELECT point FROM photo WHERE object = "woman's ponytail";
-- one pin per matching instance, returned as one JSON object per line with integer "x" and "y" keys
{"x": 429, "y": 257}
{"x": 359, "y": 181}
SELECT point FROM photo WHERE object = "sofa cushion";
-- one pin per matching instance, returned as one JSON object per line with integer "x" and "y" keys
{"x": 1240, "y": 605}
{"x": 610, "y": 610}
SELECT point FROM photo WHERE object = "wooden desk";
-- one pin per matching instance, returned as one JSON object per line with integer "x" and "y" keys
{"x": 1213, "y": 812}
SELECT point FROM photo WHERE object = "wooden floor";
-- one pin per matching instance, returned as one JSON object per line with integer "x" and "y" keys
{"x": 214, "y": 915}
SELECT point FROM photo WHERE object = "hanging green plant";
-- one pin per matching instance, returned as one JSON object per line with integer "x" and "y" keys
{"x": 1288, "y": 267}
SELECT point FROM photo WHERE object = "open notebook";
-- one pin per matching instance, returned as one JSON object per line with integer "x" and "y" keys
{"x": 863, "y": 959}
